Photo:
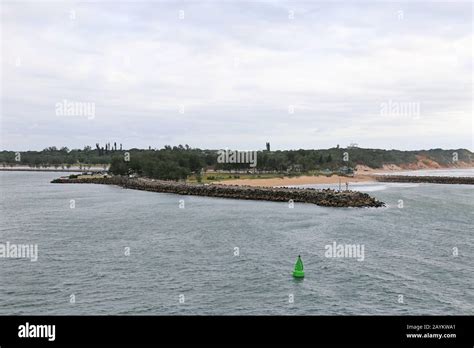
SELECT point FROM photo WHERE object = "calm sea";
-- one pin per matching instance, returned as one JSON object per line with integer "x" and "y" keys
{"x": 108, "y": 250}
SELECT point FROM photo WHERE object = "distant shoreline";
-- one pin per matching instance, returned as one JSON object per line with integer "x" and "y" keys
{"x": 362, "y": 175}
{"x": 72, "y": 169}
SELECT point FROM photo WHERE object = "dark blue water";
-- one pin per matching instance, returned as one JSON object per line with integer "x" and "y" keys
{"x": 190, "y": 252}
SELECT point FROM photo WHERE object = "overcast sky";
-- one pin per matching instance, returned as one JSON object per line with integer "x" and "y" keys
{"x": 237, "y": 74}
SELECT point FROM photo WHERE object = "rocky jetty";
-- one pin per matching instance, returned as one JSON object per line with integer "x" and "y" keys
{"x": 326, "y": 197}
{"x": 425, "y": 179}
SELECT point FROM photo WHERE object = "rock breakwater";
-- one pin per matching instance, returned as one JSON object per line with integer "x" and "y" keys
{"x": 325, "y": 197}
{"x": 425, "y": 179}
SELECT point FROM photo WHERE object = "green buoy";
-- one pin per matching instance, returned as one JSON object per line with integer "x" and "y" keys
{"x": 298, "y": 272}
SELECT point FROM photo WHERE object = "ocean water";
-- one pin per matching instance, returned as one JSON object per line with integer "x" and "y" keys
{"x": 184, "y": 260}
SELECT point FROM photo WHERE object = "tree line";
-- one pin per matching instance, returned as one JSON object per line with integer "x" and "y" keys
{"x": 178, "y": 162}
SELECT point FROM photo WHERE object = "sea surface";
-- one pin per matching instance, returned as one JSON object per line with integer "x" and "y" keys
{"x": 108, "y": 250}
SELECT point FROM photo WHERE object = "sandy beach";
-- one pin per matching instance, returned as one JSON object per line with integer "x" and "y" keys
{"x": 300, "y": 180}
{"x": 363, "y": 174}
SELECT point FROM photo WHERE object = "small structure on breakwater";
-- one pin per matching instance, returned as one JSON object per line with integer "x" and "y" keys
{"x": 425, "y": 179}
{"x": 325, "y": 197}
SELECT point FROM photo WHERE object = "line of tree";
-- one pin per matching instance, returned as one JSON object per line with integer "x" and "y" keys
{"x": 165, "y": 164}
{"x": 180, "y": 161}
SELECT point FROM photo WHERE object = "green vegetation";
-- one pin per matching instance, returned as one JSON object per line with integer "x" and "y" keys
{"x": 165, "y": 164}
{"x": 211, "y": 177}
{"x": 58, "y": 158}
{"x": 183, "y": 162}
